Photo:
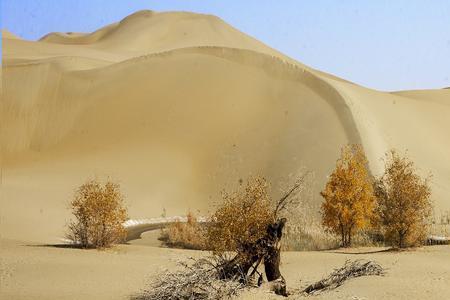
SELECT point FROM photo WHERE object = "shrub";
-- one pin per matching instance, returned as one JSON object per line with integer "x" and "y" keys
{"x": 189, "y": 235}
{"x": 349, "y": 199}
{"x": 99, "y": 215}
{"x": 242, "y": 218}
{"x": 403, "y": 202}
{"x": 244, "y": 232}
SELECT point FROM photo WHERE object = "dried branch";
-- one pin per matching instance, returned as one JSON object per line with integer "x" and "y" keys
{"x": 199, "y": 280}
{"x": 350, "y": 269}
{"x": 289, "y": 199}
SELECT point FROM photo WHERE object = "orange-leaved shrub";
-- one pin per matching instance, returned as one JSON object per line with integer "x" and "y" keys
{"x": 349, "y": 199}
{"x": 242, "y": 218}
{"x": 403, "y": 202}
{"x": 99, "y": 215}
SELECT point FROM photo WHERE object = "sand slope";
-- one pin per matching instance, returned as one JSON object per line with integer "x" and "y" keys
{"x": 178, "y": 106}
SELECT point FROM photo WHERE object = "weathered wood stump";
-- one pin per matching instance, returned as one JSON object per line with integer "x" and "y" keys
{"x": 272, "y": 256}
{"x": 266, "y": 249}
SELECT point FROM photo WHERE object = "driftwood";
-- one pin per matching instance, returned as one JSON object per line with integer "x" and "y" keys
{"x": 350, "y": 269}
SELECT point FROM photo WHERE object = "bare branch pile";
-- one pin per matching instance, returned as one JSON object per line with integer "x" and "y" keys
{"x": 199, "y": 280}
{"x": 351, "y": 269}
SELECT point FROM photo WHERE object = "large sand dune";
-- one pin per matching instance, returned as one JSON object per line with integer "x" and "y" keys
{"x": 178, "y": 106}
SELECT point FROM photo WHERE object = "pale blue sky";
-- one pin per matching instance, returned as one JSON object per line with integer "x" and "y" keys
{"x": 387, "y": 45}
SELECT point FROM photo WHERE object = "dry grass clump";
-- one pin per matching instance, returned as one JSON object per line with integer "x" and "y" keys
{"x": 351, "y": 269}
{"x": 369, "y": 238}
{"x": 444, "y": 218}
{"x": 189, "y": 235}
{"x": 313, "y": 237}
{"x": 199, "y": 280}
{"x": 99, "y": 215}
{"x": 441, "y": 224}
{"x": 304, "y": 231}
{"x": 308, "y": 237}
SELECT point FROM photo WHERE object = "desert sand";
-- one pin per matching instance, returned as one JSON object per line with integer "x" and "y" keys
{"x": 40, "y": 272}
{"x": 176, "y": 107}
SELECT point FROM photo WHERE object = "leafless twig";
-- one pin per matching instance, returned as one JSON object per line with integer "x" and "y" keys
{"x": 289, "y": 198}
{"x": 350, "y": 269}
{"x": 199, "y": 280}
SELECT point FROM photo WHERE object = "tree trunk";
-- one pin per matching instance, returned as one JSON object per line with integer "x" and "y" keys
{"x": 345, "y": 239}
{"x": 349, "y": 237}
{"x": 400, "y": 239}
{"x": 272, "y": 257}
{"x": 268, "y": 249}
{"x": 239, "y": 266}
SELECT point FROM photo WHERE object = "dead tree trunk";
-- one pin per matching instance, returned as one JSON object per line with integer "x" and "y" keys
{"x": 273, "y": 256}
{"x": 238, "y": 267}
{"x": 266, "y": 249}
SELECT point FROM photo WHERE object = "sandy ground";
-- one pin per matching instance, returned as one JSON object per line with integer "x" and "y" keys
{"x": 31, "y": 271}
{"x": 177, "y": 107}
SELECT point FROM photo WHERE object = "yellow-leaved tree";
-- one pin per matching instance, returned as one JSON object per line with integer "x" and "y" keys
{"x": 99, "y": 215}
{"x": 403, "y": 202}
{"x": 349, "y": 199}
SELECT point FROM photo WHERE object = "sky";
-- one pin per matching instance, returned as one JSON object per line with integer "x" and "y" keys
{"x": 385, "y": 45}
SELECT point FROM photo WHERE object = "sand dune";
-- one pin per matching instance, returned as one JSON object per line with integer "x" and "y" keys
{"x": 178, "y": 106}
{"x": 139, "y": 34}
{"x": 9, "y": 35}
{"x": 150, "y": 32}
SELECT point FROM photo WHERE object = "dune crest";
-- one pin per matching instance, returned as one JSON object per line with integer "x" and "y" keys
{"x": 8, "y": 35}
{"x": 150, "y": 32}
{"x": 178, "y": 106}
